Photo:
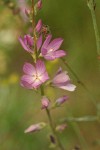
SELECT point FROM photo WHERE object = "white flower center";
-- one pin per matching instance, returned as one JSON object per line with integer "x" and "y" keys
{"x": 50, "y": 50}
{"x": 38, "y": 77}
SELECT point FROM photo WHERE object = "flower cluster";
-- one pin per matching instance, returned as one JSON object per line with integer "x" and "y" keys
{"x": 36, "y": 74}
{"x": 43, "y": 48}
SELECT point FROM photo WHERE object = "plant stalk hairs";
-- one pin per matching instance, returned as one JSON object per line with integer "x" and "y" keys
{"x": 42, "y": 47}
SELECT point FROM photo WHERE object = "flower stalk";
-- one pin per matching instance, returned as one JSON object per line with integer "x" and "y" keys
{"x": 35, "y": 75}
{"x": 34, "y": 32}
{"x": 91, "y": 4}
{"x": 59, "y": 145}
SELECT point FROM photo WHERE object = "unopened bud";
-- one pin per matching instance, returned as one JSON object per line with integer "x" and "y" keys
{"x": 39, "y": 4}
{"x": 45, "y": 102}
{"x": 35, "y": 127}
{"x": 61, "y": 100}
{"x": 61, "y": 127}
{"x": 27, "y": 12}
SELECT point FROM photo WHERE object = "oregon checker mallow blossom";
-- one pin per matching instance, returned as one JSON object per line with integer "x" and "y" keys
{"x": 34, "y": 76}
{"x": 50, "y": 50}
{"x": 62, "y": 80}
{"x": 27, "y": 43}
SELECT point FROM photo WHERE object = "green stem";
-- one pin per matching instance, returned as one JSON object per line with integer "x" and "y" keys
{"x": 91, "y": 5}
{"x": 52, "y": 125}
{"x": 34, "y": 32}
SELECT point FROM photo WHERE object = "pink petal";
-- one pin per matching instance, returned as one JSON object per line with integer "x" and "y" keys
{"x": 36, "y": 83}
{"x": 25, "y": 46}
{"x": 69, "y": 87}
{"x": 28, "y": 40}
{"x": 44, "y": 51}
{"x": 39, "y": 42}
{"x": 59, "y": 53}
{"x": 46, "y": 42}
{"x": 49, "y": 57}
{"x": 39, "y": 26}
{"x": 61, "y": 78}
{"x": 26, "y": 85}
{"x": 55, "y": 44}
{"x": 33, "y": 128}
{"x": 28, "y": 79}
{"x": 53, "y": 54}
{"x": 40, "y": 67}
{"x": 29, "y": 69}
{"x": 44, "y": 77}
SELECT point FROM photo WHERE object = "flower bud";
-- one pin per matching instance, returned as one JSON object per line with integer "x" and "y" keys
{"x": 27, "y": 12}
{"x": 45, "y": 102}
{"x": 39, "y": 4}
{"x": 61, "y": 100}
{"x": 35, "y": 127}
{"x": 61, "y": 127}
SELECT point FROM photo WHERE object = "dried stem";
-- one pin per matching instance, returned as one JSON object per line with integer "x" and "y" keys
{"x": 52, "y": 125}
{"x": 91, "y": 5}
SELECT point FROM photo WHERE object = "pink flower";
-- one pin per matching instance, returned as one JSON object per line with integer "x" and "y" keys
{"x": 39, "y": 26}
{"x": 35, "y": 127}
{"x": 62, "y": 80}
{"x": 27, "y": 43}
{"x": 61, "y": 100}
{"x": 45, "y": 102}
{"x": 50, "y": 50}
{"x": 34, "y": 75}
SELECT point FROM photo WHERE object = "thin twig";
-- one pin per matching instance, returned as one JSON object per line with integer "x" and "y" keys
{"x": 91, "y": 5}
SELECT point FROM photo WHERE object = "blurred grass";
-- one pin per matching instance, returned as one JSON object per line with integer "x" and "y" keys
{"x": 20, "y": 107}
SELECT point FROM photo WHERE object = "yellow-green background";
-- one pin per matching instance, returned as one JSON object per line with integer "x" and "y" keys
{"x": 20, "y": 108}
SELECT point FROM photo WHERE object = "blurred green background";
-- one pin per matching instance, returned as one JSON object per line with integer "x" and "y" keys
{"x": 19, "y": 107}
